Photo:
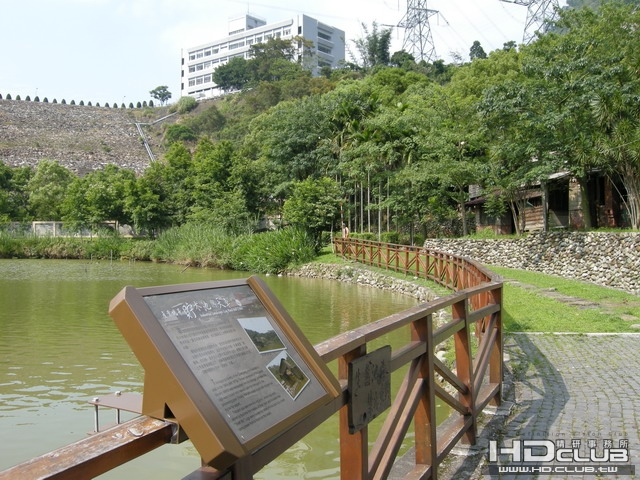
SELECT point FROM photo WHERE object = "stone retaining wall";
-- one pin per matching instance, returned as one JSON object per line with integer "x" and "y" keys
{"x": 609, "y": 259}
{"x": 361, "y": 276}
{"x": 80, "y": 138}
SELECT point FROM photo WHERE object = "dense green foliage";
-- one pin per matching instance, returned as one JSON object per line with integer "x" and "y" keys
{"x": 192, "y": 244}
{"x": 389, "y": 147}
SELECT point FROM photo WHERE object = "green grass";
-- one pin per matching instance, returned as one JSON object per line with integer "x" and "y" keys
{"x": 531, "y": 311}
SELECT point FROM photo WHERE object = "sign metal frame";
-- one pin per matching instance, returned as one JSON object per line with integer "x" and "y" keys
{"x": 172, "y": 388}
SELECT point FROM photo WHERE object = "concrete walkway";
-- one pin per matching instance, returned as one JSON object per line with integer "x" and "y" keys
{"x": 562, "y": 387}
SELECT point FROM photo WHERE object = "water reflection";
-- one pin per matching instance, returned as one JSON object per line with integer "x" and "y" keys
{"x": 59, "y": 348}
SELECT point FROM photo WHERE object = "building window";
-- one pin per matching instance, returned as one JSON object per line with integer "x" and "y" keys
{"x": 324, "y": 36}
{"x": 323, "y": 49}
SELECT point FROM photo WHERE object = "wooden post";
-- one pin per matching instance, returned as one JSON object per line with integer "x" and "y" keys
{"x": 496, "y": 372}
{"x": 425, "y": 423}
{"x": 464, "y": 365}
{"x": 354, "y": 458}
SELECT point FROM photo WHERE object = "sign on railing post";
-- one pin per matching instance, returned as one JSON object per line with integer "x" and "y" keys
{"x": 225, "y": 360}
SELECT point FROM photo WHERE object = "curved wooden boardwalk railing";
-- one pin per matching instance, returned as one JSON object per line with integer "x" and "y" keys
{"x": 474, "y": 306}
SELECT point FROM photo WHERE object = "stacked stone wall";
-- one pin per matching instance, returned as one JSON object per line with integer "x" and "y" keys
{"x": 604, "y": 258}
{"x": 81, "y": 138}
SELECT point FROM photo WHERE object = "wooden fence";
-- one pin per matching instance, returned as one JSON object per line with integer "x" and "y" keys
{"x": 476, "y": 381}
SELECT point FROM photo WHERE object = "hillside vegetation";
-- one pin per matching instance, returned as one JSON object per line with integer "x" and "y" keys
{"x": 389, "y": 145}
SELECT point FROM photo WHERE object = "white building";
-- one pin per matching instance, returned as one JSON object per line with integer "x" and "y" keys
{"x": 198, "y": 63}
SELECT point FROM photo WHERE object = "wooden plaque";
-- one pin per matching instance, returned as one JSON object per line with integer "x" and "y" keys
{"x": 224, "y": 360}
{"x": 369, "y": 387}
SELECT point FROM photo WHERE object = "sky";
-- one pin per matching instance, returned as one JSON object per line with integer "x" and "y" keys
{"x": 110, "y": 51}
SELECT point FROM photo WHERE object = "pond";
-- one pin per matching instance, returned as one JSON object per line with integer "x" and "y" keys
{"x": 59, "y": 348}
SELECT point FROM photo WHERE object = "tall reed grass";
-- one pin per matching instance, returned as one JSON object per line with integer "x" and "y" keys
{"x": 202, "y": 245}
{"x": 210, "y": 246}
{"x": 28, "y": 245}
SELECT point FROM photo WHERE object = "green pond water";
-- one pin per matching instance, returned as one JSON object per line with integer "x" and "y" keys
{"x": 59, "y": 348}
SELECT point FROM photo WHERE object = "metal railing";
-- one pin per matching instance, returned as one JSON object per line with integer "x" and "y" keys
{"x": 476, "y": 381}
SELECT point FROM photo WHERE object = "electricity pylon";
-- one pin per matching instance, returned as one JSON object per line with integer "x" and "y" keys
{"x": 418, "y": 40}
{"x": 539, "y": 14}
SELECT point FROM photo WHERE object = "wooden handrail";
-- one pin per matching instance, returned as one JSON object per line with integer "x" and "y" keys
{"x": 475, "y": 305}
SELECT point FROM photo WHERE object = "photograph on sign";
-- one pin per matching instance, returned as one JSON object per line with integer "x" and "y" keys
{"x": 262, "y": 334}
{"x": 287, "y": 372}
{"x": 239, "y": 354}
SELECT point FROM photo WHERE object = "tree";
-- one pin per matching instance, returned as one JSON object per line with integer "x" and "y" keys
{"x": 279, "y": 59}
{"x": 476, "y": 51}
{"x": 403, "y": 59}
{"x": 233, "y": 75}
{"x": 373, "y": 48}
{"x": 171, "y": 179}
{"x": 314, "y": 206}
{"x": 143, "y": 204}
{"x": 14, "y": 193}
{"x": 47, "y": 190}
{"x": 584, "y": 75}
{"x": 98, "y": 197}
{"x": 161, "y": 93}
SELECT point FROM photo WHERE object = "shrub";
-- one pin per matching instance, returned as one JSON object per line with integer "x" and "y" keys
{"x": 73, "y": 102}
{"x": 186, "y": 104}
{"x": 138, "y": 105}
{"x": 18, "y": 97}
{"x": 27, "y": 99}
{"x": 130, "y": 104}
{"x": 55, "y": 101}
{"x": 8, "y": 96}
{"x": 81, "y": 103}
{"x": 106, "y": 105}
{"x": 37, "y": 99}
{"x": 45, "y": 100}
{"x": 177, "y": 132}
{"x": 390, "y": 237}
{"x": 63, "y": 102}
{"x": 137, "y": 249}
{"x": 273, "y": 252}
{"x": 364, "y": 236}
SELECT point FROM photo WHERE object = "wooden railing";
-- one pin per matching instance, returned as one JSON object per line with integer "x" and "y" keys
{"x": 476, "y": 380}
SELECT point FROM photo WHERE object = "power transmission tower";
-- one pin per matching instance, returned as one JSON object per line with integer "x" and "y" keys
{"x": 418, "y": 40}
{"x": 539, "y": 14}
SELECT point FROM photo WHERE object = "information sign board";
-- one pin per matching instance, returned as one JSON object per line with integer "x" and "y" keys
{"x": 225, "y": 360}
